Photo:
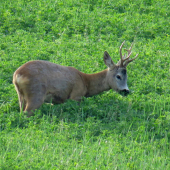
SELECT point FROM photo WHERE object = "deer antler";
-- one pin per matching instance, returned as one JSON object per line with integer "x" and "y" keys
{"x": 124, "y": 58}
{"x": 128, "y": 61}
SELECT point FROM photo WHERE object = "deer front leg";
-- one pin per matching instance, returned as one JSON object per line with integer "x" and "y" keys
{"x": 78, "y": 92}
{"x": 76, "y": 96}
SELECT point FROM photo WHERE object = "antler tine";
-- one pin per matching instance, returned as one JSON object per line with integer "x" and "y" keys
{"x": 128, "y": 61}
{"x": 124, "y": 58}
{"x": 130, "y": 49}
{"x": 129, "y": 54}
{"x": 121, "y": 57}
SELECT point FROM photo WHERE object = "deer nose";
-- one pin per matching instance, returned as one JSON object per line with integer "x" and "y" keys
{"x": 126, "y": 91}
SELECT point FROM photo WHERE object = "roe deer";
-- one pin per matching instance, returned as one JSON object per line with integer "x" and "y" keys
{"x": 38, "y": 81}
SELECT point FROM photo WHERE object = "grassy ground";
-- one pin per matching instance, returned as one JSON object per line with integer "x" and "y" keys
{"x": 106, "y": 131}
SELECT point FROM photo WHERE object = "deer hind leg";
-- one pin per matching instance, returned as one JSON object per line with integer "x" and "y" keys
{"x": 22, "y": 103}
{"x": 34, "y": 99}
{"x": 32, "y": 103}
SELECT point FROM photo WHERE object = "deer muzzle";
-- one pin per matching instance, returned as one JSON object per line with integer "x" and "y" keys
{"x": 124, "y": 92}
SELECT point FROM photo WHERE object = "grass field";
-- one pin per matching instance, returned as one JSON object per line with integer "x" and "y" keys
{"x": 107, "y": 131}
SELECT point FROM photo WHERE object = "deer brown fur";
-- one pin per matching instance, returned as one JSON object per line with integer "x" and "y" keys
{"x": 38, "y": 81}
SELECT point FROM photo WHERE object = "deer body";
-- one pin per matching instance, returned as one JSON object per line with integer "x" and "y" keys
{"x": 38, "y": 81}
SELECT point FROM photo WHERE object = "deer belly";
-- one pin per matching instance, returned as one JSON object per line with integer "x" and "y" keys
{"x": 53, "y": 98}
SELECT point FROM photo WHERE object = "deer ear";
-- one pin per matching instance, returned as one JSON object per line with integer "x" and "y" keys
{"x": 108, "y": 61}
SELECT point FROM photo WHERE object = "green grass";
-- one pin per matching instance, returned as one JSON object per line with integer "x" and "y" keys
{"x": 106, "y": 131}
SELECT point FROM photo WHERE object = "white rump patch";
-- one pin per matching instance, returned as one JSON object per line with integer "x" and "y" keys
{"x": 21, "y": 79}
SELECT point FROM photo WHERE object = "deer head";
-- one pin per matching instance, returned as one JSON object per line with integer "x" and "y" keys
{"x": 117, "y": 73}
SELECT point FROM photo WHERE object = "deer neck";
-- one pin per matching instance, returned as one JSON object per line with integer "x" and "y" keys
{"x": 96, "y": 83}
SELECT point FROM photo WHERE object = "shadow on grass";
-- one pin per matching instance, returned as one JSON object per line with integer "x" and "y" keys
{"x": 98, "y": 115}
{"x": 104, "y": 109}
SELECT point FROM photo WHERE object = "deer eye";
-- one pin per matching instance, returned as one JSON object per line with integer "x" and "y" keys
{"x": 118, "y": 77}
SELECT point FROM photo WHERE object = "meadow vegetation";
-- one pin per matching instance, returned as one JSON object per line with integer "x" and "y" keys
{"x": 107, "y": 131}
